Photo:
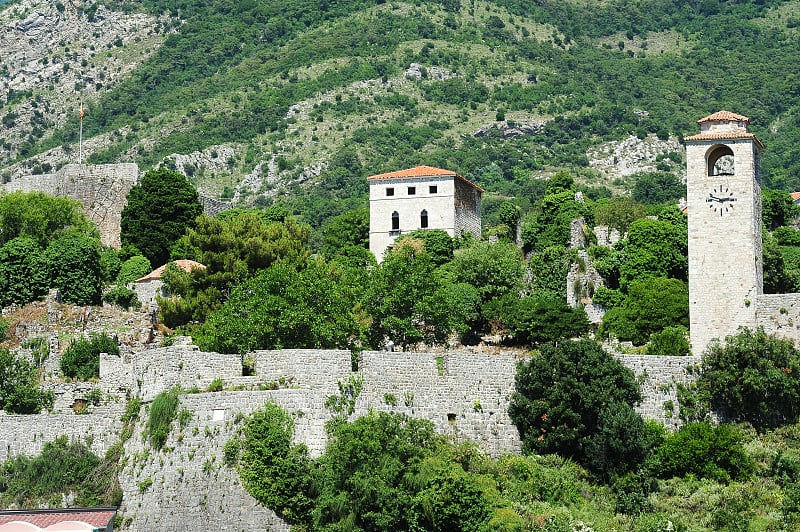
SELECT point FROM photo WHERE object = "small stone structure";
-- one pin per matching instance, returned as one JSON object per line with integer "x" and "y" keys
{"x": 421, "y": 198}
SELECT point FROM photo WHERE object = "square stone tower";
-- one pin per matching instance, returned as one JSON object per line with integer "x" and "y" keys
{"x": 423, "y": 197}
{"x": 723, "y": 189}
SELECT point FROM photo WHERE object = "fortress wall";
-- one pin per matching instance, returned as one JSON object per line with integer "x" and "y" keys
{"x": 304, "y": 368}
{"x": 465, "y": 395}
{"x": 658, "y": 378}
{"x": 160, "y": 369}
{"x": 191, "y": 487}
{"x": 27, "y": 434}
{"x": 779, "y": 314}
{"x": 101, "y": 188}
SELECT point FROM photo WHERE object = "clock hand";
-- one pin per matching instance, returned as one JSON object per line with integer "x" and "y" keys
{"x": 711, "y": 197}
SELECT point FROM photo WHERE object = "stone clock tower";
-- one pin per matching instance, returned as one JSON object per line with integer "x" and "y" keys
{"x": 723, "y": 196}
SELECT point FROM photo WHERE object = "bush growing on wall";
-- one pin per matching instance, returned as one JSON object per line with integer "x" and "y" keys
{"x": 19, "y": 389}
{"x": 82, "y": 358}
{"x": 752, "y": 377}
{"x": 162, "y": 413}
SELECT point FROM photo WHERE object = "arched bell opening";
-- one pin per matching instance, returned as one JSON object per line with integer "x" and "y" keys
{"x": 720, "y": 161}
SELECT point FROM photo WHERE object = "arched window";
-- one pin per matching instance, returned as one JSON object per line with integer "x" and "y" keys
{"x": 423, "y": 219}
{"x": 720, "y": 161}
{"x": 395, "y": 221}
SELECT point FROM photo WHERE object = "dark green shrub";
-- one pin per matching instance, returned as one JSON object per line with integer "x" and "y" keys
{"x": 704, "y": 451}
{"x": 561, "y": 403}
{"x": 162, "y": 412}
{"x": 121, "y": 297}
{"x": 672, "y": 341}
{"x": 752, "y": 377}
{"x": 82, "y": 358}
{"x": 19, "y": 388}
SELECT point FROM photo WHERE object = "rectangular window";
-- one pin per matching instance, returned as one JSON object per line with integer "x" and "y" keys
{"x": 390, "y": 191}
{"x": 432, "y": 189}
{"x": 412, "y": 191}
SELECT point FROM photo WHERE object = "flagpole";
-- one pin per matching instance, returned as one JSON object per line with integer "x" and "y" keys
{"x": 80, "y": 138}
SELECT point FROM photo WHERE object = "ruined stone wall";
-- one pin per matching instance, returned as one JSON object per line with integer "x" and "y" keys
{"x": 102, "y": 189}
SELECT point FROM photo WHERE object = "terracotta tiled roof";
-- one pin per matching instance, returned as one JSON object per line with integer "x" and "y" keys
{"x": 97, "y": 518}
{"x": 725, "y": 135}
{"x": 422, "y": 171}
{"x": 184, "y": 264}
{"x": 795, "y": 196}
{"x": 724, "y": 116}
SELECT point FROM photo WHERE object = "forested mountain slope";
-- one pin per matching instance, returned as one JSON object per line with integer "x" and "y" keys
{"x": 293, "y": 95}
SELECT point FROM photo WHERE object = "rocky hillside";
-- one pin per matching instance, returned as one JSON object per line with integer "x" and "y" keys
{"x": 264, "y": 101}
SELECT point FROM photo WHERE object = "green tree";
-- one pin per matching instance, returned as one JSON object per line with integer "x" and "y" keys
{"x": 617, "y": 212}
{"x": 82, "y": 358}
{"x": 672, "y": 341}
{"x": 233, "y": 250}
{"x": 22, "y": 278}
{"x": 752, "y": 377}
{"x": 777, "y": 278}
{"x": 361, "y": 477}
{"x": 654, "y": 248}
{"x": 285, "y": 308}
{"x": 159, "y": 210}
{"x": 40, "y": 217}
{"x": 777, "y": 208}
{"x": 494, "y": 269}
{"x": 19, "y": 387}
{"x": 132, "y": 269}
{"x": 436, "y": 242}
{"x": 560, "y": 395}
{"x": 651, "y": 306}
{"x": 275, "y": 471}
{"x": 345, "y": 230}
{"x": 540, "y": 318}
{"x": 410, "y": 301}
{"x": 658, "y": 187}
{"x": 72, "y": 263}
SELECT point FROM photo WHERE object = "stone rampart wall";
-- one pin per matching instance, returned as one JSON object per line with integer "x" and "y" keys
{"x": 658, "y": 379}
{"x": 160, "y": 369}
{"x": 465, "y": 395}
{"x": 28, "y": 434}
{"x": 779, "y": 314}
{"x": 102, "y": 189}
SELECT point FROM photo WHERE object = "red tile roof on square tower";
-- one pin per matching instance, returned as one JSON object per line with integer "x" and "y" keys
{"x": 725, "y": 129}
{"x": 422, "y": 171}
{"x": 724, "y": 116}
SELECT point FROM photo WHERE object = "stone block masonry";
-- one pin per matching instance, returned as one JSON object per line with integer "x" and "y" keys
{"x": 186, "y": 484}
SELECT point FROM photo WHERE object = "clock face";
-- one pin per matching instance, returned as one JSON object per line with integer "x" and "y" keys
{"x": 721, "y": 200}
